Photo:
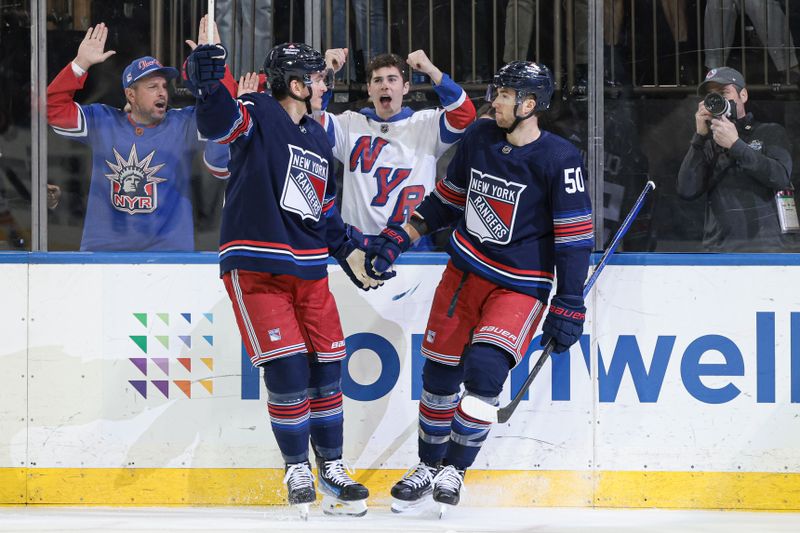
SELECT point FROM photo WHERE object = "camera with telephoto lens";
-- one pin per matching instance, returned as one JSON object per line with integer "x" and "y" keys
{"x": 718, "y": 106}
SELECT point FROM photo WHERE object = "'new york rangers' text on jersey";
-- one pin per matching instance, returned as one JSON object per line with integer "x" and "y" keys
{"x": 279, "y": 214}
{"x": 521, "y": 211}
{"x": 390, "y": 165}
{"x": 140, "y": 191}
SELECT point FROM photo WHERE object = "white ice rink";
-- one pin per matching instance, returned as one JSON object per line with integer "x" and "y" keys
{"x": 380, "y": 520}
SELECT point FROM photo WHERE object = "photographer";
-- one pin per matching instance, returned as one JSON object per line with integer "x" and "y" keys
{"x": 744, "y": 168}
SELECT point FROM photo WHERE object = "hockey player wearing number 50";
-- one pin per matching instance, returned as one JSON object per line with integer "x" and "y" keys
{"x": 388, "y": 151}
{"x": 140, "y": 191}
{"x": 279, "y": 224}
{"x": 518, "y": 199}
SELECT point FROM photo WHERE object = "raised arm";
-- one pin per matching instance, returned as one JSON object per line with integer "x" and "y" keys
{"x": 459, "y": 110}
{"x": 63, "y": 113}
{"x": 202, "y": 38}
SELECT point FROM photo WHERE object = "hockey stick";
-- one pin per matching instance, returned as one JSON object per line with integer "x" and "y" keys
{"x": 481, "y": 410}
{"x": 210, "y": 22}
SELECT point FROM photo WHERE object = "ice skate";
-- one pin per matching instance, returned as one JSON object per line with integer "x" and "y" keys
{"x": 447, "y": 485}
{"x": 300, "y": 487}
{"x": 340, "y": 494}
{"x": 413, "y": 491}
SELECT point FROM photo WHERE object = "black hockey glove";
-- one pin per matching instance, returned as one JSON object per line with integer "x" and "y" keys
{"x": 351, "y": 258}
{"x": 564, "y": 322}
{"x": 205, "y": 67}
{"x": 384, "y": 250}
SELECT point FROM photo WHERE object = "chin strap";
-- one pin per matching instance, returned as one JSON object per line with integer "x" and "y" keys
{"x": 518, "y": 118}
{"x": 307, "y": 100}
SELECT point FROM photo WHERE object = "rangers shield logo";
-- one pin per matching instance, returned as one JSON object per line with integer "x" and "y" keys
{"x": 134, "y": 185}
{"x": 492, "y": 207}
{"x": 304, "y": 187}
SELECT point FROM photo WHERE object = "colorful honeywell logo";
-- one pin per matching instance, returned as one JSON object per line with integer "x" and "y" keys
{"x": 171, "y": 351}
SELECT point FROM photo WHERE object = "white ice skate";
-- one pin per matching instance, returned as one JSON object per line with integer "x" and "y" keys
{"x": 340, "y": 494}
{"x": 300, "y": 487}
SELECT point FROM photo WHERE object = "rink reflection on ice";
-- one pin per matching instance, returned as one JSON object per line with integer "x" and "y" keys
{"x": 379, "y": 520}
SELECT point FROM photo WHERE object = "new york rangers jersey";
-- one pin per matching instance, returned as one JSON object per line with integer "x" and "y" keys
{"x": 520, "y": 211}
{"x": 390, "y": 165}
{"x": 140, "y": 190}
{"x": 279, "y": 214}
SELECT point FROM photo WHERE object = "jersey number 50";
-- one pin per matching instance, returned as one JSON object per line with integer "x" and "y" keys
{"x": 573, "y": 180}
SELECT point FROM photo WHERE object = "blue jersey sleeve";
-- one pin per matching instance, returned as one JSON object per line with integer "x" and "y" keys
{"x": 572, "y": 221}
{"x": 222, "y": 119}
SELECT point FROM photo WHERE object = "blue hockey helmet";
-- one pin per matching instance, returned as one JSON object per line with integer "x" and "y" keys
{"x": 294, "y": 60}
{"x": 528, "y": 79}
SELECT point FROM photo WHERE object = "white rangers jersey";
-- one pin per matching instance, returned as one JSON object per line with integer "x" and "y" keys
{"x": 390, "y": 165}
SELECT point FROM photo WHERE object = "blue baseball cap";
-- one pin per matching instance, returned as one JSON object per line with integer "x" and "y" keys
{"x": 144, "y": 66}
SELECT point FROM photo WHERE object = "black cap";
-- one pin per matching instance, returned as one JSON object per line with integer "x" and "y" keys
{"x": 723, "y": 76}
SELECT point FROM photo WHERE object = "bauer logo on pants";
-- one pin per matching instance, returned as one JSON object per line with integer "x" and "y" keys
{"x": 306, "y": 179}
{"x": 492, "y": 207}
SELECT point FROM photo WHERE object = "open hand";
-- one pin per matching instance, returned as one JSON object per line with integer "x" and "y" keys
{"x": 202, "y": 34}
{"x": 90, "y": 51}
{"x": 247, "y": 84}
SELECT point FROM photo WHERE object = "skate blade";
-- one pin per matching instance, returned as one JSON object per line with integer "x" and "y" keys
{"x": 444, "y": 508}
{"x": 303, "y": 509}
{"x": 334, "y": 507}
{"x": 417, "y": 507}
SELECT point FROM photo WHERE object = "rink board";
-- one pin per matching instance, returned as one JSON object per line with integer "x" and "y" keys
{"x": 127, "y": 383}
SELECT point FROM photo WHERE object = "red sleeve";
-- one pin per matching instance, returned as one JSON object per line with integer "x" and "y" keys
{"x": 462, "y": 114}
{"x": 62, "y": 111}
{"x": 229, "y": 82}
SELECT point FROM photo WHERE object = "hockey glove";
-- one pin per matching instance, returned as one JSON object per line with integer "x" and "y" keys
{"x": 384, "y": 250}
{"x": 205, "y": 67}
{"x": 351, "y": 258}
{"x": 564, "y": 322}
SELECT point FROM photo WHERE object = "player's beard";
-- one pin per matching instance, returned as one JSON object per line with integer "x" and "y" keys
{"x": 154, "y": 114}
{"x": 502, "y": 121}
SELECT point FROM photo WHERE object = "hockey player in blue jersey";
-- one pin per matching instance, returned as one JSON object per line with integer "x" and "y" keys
{"x": 279, "y": 225}
{"x": 518, "y": 200}
{"x": 140, "y": 189}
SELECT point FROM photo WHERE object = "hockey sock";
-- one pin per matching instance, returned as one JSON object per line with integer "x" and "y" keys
{"x": 467, "y": 436}
{"x": 486, "y": 369}
{"x": 440, "y": 386}
{"x": 287, "y": 387}
{"x": 327, "y": 417}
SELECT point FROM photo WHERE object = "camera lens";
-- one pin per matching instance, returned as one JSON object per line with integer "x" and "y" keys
{"x": 716, "y": 104}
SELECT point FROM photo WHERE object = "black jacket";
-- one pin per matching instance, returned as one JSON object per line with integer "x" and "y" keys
{"x": 740, "y": 186}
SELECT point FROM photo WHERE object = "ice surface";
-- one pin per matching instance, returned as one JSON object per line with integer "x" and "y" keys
{"x": 380, "y": 520}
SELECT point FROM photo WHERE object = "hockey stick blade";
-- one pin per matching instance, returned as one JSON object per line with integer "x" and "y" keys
{"x": 475, "y": 408}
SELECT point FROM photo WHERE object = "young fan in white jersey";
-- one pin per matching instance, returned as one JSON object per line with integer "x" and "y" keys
{"x": 389, "y": 151}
